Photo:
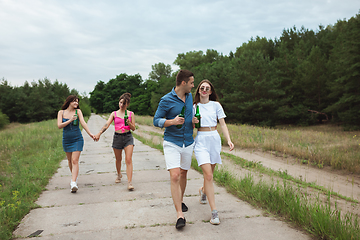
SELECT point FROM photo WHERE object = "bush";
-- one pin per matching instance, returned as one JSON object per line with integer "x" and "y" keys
{"x": 4, "y": 120}
{"x": 85, "y": 108}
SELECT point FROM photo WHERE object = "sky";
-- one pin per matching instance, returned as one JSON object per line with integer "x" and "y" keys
{"x": 82, "y": 42}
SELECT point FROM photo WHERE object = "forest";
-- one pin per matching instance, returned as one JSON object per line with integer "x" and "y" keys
{"x": 305, "y": 77}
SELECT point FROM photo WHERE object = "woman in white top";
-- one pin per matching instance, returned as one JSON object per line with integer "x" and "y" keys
{"x": 208, "y": 142}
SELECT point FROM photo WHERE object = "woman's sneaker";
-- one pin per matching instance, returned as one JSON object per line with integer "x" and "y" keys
{"x": 202, "y": 196}
{"x": 215, "y": 217}
{"x": 73, "y": 187}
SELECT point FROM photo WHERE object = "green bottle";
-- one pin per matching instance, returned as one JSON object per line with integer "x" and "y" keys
{"x": 197, "y": 115}
{"x": 126, "y": 118}
{"x": 76, "y": 121}
{"x": 182, "y": 114}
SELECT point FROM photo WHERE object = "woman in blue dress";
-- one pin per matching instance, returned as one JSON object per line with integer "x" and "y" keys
{"x": 73, "y": 141}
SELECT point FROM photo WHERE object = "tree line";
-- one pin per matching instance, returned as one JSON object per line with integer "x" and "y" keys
{"x": 304, "y": 77}
{"x": 35, "y": 102}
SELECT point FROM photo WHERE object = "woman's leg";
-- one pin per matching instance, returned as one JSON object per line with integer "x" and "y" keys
{"x": 118, "y": 158}
{"x": 128, "y": 160}
{"x": 68, "y": 156}
{"x": 208, "y": 184}
{"x": 75, "y": 165}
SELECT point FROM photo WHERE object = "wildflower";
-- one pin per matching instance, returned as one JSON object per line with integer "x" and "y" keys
{"x": 2, "y": 203}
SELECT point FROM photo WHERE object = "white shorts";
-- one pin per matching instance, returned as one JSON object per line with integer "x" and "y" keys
{"x": 177, "y": 157}
{"x": 207, "y": 147}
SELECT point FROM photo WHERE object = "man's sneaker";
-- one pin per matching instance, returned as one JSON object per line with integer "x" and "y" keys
{"x": 202, "y": 196}
{"x": 73, "y": 187}
{"x": 215, "y": 217}
{"x": 118, "y": 178}
{"x": 184, "y": 208}
{"x": 180, "y": 223}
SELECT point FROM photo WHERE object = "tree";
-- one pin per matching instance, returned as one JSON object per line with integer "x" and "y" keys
{"x": 159, "y": 70}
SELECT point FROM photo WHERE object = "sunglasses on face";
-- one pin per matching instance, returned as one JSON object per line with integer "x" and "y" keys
{"x": 205, "y": 89}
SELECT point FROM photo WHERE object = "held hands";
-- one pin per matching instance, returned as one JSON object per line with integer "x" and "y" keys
{"x": 97, "y": 137}
{"x": 92, "y": 136}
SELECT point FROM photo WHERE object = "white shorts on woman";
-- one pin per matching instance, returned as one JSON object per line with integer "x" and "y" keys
{"x": 207, "y": 147}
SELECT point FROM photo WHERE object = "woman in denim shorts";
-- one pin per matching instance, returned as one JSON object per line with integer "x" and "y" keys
{"x": 123, "y": 139}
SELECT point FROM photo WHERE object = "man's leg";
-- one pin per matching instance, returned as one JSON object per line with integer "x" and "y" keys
{"x": 176, "y": 192}
{"x": 183, "y": 181}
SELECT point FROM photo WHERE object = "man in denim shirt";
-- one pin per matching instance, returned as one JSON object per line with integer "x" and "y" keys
{"x": 178, "y": 142}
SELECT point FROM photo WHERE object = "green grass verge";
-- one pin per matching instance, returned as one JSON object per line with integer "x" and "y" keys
{"x": 291, "y": 205}
{"x": 284, "y": 175}
{"x": 30, "y": 154}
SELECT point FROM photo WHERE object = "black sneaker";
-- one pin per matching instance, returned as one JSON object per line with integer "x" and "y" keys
{"x": 184, "y": 208}
{"x": 180, "y": 223}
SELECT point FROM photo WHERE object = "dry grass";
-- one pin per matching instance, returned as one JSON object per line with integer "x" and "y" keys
{"x": 321, "y": 145}
{"x": 324, "y": 145}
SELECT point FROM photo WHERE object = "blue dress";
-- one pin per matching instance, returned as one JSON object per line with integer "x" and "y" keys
{"x": 72, "y": 138}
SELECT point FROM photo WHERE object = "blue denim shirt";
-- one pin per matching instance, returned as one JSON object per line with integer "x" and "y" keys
{"x": 169, "y": 107}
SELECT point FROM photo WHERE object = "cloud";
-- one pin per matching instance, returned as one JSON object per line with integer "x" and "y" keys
{"x": 81, "y": 42}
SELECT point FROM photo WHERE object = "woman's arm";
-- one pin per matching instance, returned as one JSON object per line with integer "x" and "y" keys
{"x": 83, "y": 124}
{"x": 226, "y": 133}
{"x": 132, "y": 122}
{"x": 105, "y": 127}
{"x": 61, "y": 124}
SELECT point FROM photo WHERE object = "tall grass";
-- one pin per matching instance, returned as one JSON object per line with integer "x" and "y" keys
{"x": 321, "y": 145}
{"x": 29, "y": 156}
{"x": 285, "y": 201}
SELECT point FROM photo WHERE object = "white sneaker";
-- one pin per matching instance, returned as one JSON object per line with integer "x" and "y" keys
{"x": 73, "y": 187}
{"x": 202, "y": 196}
{"x": 215, "y": 217}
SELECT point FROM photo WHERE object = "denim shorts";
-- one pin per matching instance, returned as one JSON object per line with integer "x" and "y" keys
{"x": 122, "y": 140}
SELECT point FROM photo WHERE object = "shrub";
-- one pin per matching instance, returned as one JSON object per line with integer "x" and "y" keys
{"x": 4, "y": 120}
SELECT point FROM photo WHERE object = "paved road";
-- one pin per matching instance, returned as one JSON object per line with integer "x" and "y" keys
{"x": 102, "y": 209}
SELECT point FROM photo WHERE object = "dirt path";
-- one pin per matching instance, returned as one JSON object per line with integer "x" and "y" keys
{"x": 345, "y": 184}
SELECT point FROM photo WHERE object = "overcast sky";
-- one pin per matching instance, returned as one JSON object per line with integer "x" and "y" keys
{"x": 81, "y": 42}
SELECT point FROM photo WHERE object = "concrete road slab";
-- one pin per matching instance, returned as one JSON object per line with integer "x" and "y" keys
{"x": 102, "y": 209}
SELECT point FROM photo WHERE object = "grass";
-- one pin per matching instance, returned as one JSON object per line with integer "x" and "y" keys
{"x": 321, "y": 145}
{"x": 292, "y": 205}
{"x": 324, "y": 145}
{"x": 283, "y": 200}
{"x": 30, "y": 154}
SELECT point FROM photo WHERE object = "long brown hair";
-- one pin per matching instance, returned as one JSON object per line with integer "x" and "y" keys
{"x": 69, "y": 100}
{"x": 213, "y": 96}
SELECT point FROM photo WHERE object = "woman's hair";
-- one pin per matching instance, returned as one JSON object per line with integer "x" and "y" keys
{"x": 126, "y": 97}
{"x": 213, "y": 96}
{"x": 69, "y": 100}
{"x": 183, "y": 75}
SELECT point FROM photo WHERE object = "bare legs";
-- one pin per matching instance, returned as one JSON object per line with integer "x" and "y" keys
{"x": 208, "y": 188}
{"x": 178, "y": 184}
{"x": 73, "y": 162}
{"x": 128, "y": 160}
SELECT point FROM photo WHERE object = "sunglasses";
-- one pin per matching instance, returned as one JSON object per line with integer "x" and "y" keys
{"x": 205, "y": 89}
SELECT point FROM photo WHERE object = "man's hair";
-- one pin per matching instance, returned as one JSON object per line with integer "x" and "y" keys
{"x": 183, "y": 75}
